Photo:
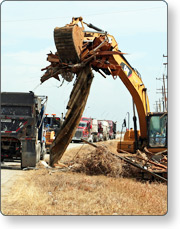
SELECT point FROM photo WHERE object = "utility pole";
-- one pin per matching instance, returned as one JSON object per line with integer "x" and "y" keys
{"x": 165, "y": 56}
{"x": 156, "y": 106}
{"x": 163, "y": 90}
{"x": 159, "y": 105}
{"x": 165, "y": 97}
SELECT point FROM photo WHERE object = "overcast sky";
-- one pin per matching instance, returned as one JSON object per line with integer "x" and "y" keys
{"x": 139, "y": 27}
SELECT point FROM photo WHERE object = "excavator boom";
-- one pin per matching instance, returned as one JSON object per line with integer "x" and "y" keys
{"x": 77, "y": 52}
{"x": 76, "y": 48}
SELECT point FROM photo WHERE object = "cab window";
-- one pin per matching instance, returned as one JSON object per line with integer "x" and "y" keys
{"x": 158, "y": 131}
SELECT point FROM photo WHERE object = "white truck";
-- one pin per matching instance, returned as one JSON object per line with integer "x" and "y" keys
{"x": 103, "y": 130}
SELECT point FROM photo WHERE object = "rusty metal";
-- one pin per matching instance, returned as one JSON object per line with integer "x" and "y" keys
{"x": 72, "y": 56}
{"x": 129, "y": 161}
{"x": 140, "y": 157}
{"x": 152, "y": 162}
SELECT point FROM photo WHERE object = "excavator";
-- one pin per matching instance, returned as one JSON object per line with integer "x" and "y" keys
{"x": 80, "y": 50}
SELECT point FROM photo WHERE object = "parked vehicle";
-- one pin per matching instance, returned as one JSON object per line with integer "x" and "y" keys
{"x": 94, "y": 130}
{"x": 112, "y": 129}
{"x": 22, "y": 127}
{"x": 103, "y": 130}
{"x": 81, "y": 132}
{"x": 87, "y": 129}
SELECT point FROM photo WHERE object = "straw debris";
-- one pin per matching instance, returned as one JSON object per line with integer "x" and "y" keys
{"x": 98, "y": 162}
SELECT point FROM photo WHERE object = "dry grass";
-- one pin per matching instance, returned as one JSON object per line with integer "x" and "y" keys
{"x": 44, "y": 192}
{"x": 53, "y": 192}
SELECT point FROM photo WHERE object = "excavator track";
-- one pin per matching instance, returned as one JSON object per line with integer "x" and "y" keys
{"x": 69, "y": 41}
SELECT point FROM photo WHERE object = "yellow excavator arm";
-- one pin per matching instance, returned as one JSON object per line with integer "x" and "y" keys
{"x": 76, "y": 47}
{"x": 77, "y": 52}
{"x": 131, "y": 79}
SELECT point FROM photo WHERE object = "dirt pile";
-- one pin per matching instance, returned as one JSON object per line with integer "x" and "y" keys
{"x": 98, "y": 162}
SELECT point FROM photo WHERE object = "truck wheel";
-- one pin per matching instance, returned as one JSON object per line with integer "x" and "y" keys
{"x": 22, "y": 167}
{"x": 38, "y": 152}
{"x": 43, "y": 152}
{"x": 90, "y": 139}
{"x": 42, "y": 155}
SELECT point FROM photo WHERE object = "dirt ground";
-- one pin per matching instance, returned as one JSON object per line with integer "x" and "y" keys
{"x": 63, "y": 192}
{"x": 8, "y": 179}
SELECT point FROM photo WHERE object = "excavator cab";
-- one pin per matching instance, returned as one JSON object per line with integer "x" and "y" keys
{"x": 157, "y": 130}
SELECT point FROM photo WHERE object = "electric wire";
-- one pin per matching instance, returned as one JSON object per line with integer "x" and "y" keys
{"x": 95, "y": 14}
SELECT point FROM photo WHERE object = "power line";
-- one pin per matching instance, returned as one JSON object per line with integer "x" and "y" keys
{"x": 96, "y": 14}
{"x": 36, "y": 19}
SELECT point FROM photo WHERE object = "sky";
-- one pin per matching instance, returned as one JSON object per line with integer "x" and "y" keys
{"x": 139, "y": 27}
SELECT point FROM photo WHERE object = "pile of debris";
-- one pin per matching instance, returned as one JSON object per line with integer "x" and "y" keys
{"x": 103, "y": 162}
{"x": 98, "y": 162}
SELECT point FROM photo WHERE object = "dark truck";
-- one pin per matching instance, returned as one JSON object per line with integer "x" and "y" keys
{"x": 22, "y": 117}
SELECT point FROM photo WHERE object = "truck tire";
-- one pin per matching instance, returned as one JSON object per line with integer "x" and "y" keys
{"x": 43, "y": 152}
{"x": 22, "y": 167}
{"x": 95, "y": 139}
{"x": 38, "y": 152}
{"x": 90, "y": 139}
{"x": 42, "y": 155}
{"x": 29, "y": 154}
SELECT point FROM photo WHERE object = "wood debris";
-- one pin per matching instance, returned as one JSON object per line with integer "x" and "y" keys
{"x": 75, "y": 110}
{"x": 98, "y": 162}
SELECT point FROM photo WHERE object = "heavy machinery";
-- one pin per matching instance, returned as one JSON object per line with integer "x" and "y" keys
{"x": 77, "y": 49}
{"x": 22, "y": 126}
{"x": 52, "y": 125}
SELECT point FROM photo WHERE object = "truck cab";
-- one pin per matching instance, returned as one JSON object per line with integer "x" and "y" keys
{"x": 82, "y": 131}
